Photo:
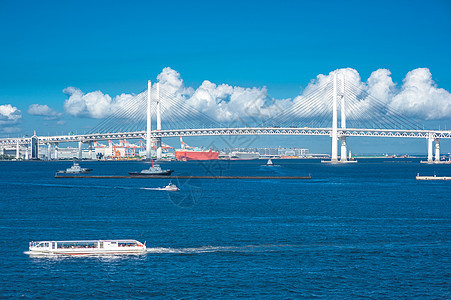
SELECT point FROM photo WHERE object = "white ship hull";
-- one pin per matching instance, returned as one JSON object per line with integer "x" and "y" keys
{"x": 87, "y": 247}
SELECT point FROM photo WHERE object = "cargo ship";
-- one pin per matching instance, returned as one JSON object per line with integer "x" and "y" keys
{"x": 193, "y": 153}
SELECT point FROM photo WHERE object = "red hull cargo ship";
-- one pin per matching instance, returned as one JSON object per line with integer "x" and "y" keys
{"x": 192, "y": 153}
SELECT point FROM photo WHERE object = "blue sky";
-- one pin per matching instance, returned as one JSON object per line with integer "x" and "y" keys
{"x": 115, "y": 47}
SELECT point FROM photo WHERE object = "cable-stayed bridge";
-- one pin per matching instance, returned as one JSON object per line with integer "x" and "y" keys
{"x": 333, "y": 107}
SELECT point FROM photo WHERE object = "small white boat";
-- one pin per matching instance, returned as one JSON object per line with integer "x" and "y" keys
{"x": 170, "y": 187}
{"x": 87, "y": 247}
{"x": 269, "y": 163}
{"x": 75, "y": 169}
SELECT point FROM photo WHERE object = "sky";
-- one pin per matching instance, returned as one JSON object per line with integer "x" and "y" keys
{"x": 64, "y": 63}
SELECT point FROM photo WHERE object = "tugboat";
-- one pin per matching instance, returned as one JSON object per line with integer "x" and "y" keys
{"x": 154, "y": 170}
{"x": 75, "y": 169}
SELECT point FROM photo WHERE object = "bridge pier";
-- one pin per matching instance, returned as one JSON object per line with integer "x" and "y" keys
{"x": 437, "y": 150}
{"x": 90, "y": 150}
{"x": 343, "y": 151}
{"x": 17, "y": 150}
{"x": 430, "y": 141}
{"x": 56, "y": 151}
{"x": 80, "y": 150}
{"x": 49, "y": 151}
{"x": 159, "y": 149}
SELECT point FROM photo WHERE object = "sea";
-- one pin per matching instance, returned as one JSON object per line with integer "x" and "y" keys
{"x": 363, "y": 230}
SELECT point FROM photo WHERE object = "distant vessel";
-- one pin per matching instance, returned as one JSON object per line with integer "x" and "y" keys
{"x": 170, "y": 187}
{"x": 154, "y": 170}
{"x": 86, "y": 247}
{"x": 238, "y": 155}
{"x": 191, "y": 153}
{"x": 269, "y": 162}
{"x": 75, "y": 169}
{"x": 435, "y": 177}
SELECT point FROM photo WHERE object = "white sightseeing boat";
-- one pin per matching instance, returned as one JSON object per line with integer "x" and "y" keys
{"x": 87, "y": 247}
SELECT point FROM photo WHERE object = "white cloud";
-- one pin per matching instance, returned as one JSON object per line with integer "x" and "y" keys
{"x": 94, "y": 104}
{"x": 43, "y": 110}
{"x": 9, "y": 114}
{"x": 418, "y": 96}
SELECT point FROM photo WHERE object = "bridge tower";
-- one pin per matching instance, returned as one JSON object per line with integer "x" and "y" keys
{"x": 149, "y": 123}
{"x": 343, "y": 151}
{"x": 158, "y": 140}
{"x": 334, "y": 157}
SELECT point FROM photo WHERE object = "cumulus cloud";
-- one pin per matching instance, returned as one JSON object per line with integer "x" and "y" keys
{"x": 221, "y": 102}
{"x": 9, "y": 114}
{"x": 93, "y": 104}
{"x": 418, "y": 96}
{"x": 43, "y": 110}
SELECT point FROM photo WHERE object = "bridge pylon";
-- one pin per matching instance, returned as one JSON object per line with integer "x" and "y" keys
{"x": 158, "y": 140}
{"x": 334, "y": 135}
{"x": 149, "y": 123}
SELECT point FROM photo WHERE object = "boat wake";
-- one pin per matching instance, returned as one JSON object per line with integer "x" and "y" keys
{"x": 212, "y": 249}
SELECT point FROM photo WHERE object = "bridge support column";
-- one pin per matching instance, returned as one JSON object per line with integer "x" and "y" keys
{"x": 17, "y": 150}
{"x": 90, "y": 150}
{"x": 55, "y": 155}
{"x": 343, "y": 152}
{"x": 49, "y": 151}
{"x": 334, "y": 122}
{"x": 437, "y": 150}
{"x": 80, "y": 150}
{"x": 159, "y": 149}
{"x": 430, "y": 141}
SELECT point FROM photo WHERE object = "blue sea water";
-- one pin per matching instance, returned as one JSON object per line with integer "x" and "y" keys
{"x": 365, "y": 230}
